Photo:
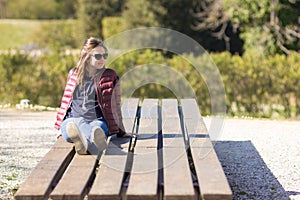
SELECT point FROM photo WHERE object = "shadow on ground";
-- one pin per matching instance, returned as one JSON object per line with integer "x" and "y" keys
{"x": 247, "y": 174}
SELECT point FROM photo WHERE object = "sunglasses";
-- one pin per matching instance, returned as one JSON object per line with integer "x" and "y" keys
{"x": 100, "y": 56}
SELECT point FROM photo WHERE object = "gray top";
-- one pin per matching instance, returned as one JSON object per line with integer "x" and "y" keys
{"x": 84, "y": 103}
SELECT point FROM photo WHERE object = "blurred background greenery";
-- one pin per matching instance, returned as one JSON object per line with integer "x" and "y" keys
{"x": 254, "y": 43}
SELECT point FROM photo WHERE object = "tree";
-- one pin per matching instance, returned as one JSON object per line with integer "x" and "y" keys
{"x": 91, "y": 13}
{"x": 178, "y": 16}
{"x": 168, "y": 14}
{"x": 266, "y": 26}
{"x": 66, "y": 9}
{"x": 210, "y": 15}
{"x": 271, "y": 25}
{"x": 3, "y": 4}
{"x": 182, "y": 16}
{"x": 211, "y": 18}
{"x": 142, "y": 13}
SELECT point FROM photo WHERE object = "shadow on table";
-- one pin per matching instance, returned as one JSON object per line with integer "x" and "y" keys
{"x": 247, "y": 174}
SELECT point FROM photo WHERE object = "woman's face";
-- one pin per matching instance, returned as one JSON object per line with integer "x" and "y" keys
{"x": 98, "y": 57}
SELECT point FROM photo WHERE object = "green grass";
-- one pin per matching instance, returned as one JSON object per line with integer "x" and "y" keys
{"x": 17, "y": 33}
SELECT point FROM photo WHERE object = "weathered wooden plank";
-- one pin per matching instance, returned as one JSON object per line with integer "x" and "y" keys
{"x": 178, "y": 182}
{"x": 108, "y": 181}
{"x": 172, "y": 135}
{"x": 62, "y": 144}
{"x": 73, "y": 184}
{"x": 129, "y": 111}
{"x": 148, "y": 127}
{"x": 127, "y": 122}
{"x": 144, "y": 175}
{"x": 169, "y": 108}
{"x": 194, "y": 124}
{"x": 191, "y": 109}
{"x": 150, "y": 109}
{"x": 171, "y": 128}
{"x": 211, "y": 178}
{"x": 46, "y": 174}
{"x": 147, "y": 139}
{"x": 129, "y": 108}
{"x": 177, "y": 176}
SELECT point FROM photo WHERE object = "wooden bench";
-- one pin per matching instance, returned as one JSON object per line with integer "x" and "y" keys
{"x": 172, "y": 157}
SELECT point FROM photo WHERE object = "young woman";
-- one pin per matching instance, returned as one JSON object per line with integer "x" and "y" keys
{"x": 90, "y": 107}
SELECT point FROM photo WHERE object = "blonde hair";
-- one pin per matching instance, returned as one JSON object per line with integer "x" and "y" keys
{"x": 88, "y": 46}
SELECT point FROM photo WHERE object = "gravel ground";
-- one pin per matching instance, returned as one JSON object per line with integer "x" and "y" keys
{"x": 25, "y": 137}
{"x": 261, "y": 158}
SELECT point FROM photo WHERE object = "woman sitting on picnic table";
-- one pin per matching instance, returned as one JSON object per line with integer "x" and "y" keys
{"x": 90, "y": 108}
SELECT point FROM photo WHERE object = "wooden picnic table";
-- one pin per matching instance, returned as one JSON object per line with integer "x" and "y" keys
{"x": 172, "y": 157}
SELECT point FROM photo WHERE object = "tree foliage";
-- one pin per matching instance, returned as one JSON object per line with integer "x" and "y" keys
{"x": 113, "y": 26}
{"x": 142, "y": 13}
{"x": 174, "y": 14}
{"x": 267, "y": 26}
{"x": 92, "y": 12}
{"x": 271, "y": 25}
{"x": 259, "y": 87}
{"x": 210, "y": 15}
{"x": 36, "y": 9}
{"x": 40, "y": 79}
{"x": 179, "y": 15}
{"x": 59, "y": 35}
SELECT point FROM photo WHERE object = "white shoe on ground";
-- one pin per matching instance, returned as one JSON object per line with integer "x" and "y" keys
{"x": 78, "y": 138}
{"x": 99, "y": 138}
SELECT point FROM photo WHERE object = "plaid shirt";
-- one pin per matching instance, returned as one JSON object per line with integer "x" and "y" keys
{"x": 107, "y": 87}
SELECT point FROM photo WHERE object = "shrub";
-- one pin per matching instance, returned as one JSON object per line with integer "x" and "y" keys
{"x": 57, "y": 34}
{"x": 263, "y": 87}
{"x": 112, "y": 26}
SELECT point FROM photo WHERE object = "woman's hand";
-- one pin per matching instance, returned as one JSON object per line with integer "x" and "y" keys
{"x": 128, "y": 135}
{"x": 123, "y": 134}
